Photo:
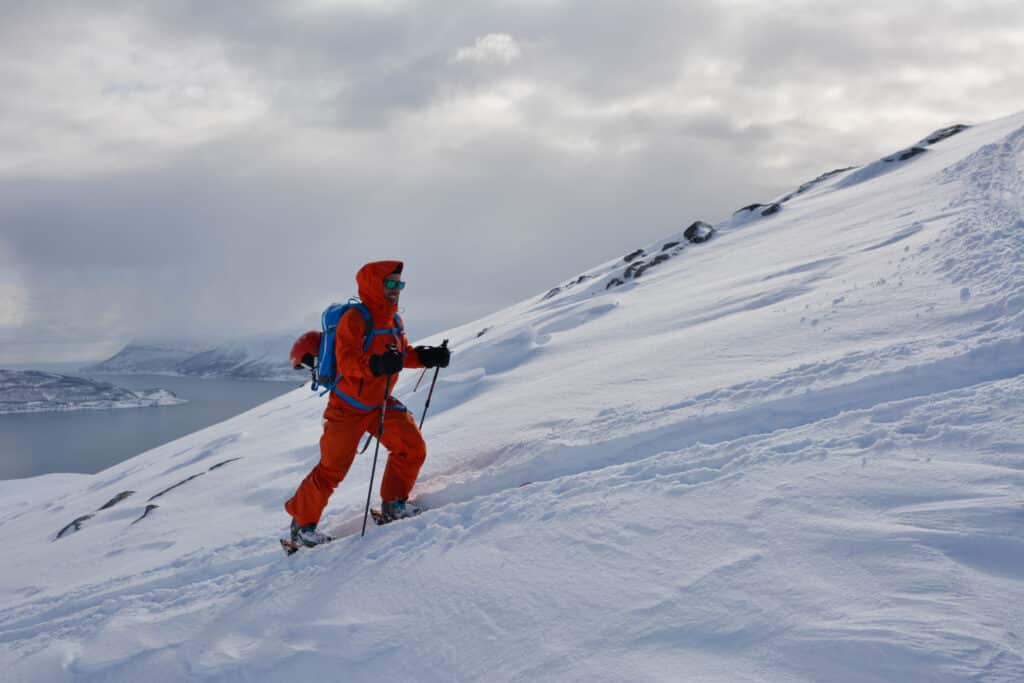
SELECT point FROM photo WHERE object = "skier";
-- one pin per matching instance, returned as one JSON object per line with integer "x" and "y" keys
{"x": 356, "y": 401}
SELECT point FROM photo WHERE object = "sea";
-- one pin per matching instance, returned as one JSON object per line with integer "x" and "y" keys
{"x": 88, "y": 441}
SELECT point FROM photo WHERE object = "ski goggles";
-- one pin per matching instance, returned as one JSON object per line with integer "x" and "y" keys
{"x": 394, "y": 284}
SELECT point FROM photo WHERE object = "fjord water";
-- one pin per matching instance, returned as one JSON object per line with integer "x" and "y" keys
{"x": 87, "y": 441}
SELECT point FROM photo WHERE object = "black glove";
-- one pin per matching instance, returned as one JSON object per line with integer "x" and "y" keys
{"x": 433, "y": 356}
{"x": 387, "y": 363}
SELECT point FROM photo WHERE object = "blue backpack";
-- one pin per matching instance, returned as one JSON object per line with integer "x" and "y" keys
{"x": 327, "y": 374}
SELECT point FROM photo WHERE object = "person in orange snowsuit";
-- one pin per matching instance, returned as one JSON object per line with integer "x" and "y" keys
{"x": 353, "y": 409}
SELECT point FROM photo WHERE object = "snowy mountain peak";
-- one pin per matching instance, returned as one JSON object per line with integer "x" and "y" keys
{"x": 789, "y": 453}
{"x": 263, "y": 358}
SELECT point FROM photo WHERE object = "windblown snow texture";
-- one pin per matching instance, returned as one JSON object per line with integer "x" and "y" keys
{"x": 790, "y": 453}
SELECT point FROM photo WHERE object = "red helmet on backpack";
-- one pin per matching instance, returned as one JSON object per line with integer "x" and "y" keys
{"x": 305, "y": 350}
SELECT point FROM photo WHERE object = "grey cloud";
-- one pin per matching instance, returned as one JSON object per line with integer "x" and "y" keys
{"x": 376, "y": 96}
{"x": 872, "y": 39}
{"x": 398, "y": 62}
{"x": 631, "y": 120}
{"x": 210, "y": 248}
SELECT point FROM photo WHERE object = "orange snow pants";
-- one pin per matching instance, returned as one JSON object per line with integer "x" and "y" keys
{"x": 343, "y": 429}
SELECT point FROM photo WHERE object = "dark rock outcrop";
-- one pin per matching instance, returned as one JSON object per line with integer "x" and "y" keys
{"x": 149, "y": 508}
{"x": 74, "y": 526}
{"x": 748, "y": 207}
{"x": 222, "y": 463}
{"x": 814, "y": 183}
{"x": 116, "y": 499}
{"x": 698, "y": 232}
{"x": 554, "y": 291}
{"x": 905, "y": 154}
{"x": 633, "y": 255}
{"x": 943, "y": 133}
{"x": 171, "y": 488}
{"x": 763, "y": 209}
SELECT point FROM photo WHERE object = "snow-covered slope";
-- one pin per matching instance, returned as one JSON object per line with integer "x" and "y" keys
{"x": 791, "y": 453}
{"x": 33, "y": 391}
{"x": 259, "y": 358}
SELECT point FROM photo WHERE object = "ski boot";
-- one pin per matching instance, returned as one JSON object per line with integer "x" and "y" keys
{"x": 393, "y": 510}
{"x": 308, "y": 535}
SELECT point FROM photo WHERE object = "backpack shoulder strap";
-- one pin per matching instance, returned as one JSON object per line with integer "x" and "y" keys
{"x": 363, "y": 310}
{"x": 368, "y": 320}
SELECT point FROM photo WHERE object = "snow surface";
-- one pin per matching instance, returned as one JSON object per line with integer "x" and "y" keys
{"x": 33, "y": 391}
{"x": 791, "y": 453}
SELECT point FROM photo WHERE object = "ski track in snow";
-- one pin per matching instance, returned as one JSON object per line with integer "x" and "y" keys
{"x": 808, "y": 467}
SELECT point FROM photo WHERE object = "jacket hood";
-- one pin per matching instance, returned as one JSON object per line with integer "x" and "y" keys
{"x": 370, "y": 279}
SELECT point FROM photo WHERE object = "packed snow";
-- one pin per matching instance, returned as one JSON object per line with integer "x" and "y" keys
{"x": 792, "y": 452}
{"x": 34, "y": 391}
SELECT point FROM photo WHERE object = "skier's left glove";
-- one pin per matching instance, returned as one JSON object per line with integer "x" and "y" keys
{"x": 433, "y": 356}
{"x": 387, "y": 363}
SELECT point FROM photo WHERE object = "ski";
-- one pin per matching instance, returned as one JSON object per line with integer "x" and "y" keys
{"x": 289, "y": 547}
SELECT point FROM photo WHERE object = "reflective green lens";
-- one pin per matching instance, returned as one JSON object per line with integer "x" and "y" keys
{"x": 394, "y": 284}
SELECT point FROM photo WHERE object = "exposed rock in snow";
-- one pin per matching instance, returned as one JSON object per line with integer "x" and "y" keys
{"x": 698, "y": 232}
{"x": 944, "y": 133}
{"x": 811, "y": 184}
{"x": 759, "y": 209}
{"x": 892, "y": 161}
{"x": 633, "y": 255}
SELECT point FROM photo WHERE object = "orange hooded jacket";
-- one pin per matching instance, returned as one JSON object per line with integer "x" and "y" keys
{"x": 359, "y": 390}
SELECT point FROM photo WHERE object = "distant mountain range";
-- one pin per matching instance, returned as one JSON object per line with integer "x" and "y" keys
{"x": 264, "y": 358}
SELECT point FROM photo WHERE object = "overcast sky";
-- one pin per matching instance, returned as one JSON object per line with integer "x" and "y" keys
{"x": 212, "y": 169}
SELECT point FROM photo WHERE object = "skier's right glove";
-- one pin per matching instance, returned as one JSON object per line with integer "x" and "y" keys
{"x": 433, "y": 356}
{"x": 387, "y": 363}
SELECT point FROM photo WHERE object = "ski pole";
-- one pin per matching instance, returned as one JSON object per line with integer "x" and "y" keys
{"x": 444, "y": 344}
{"x": 376, "y": 450}
{"x": 416, "y": 388}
